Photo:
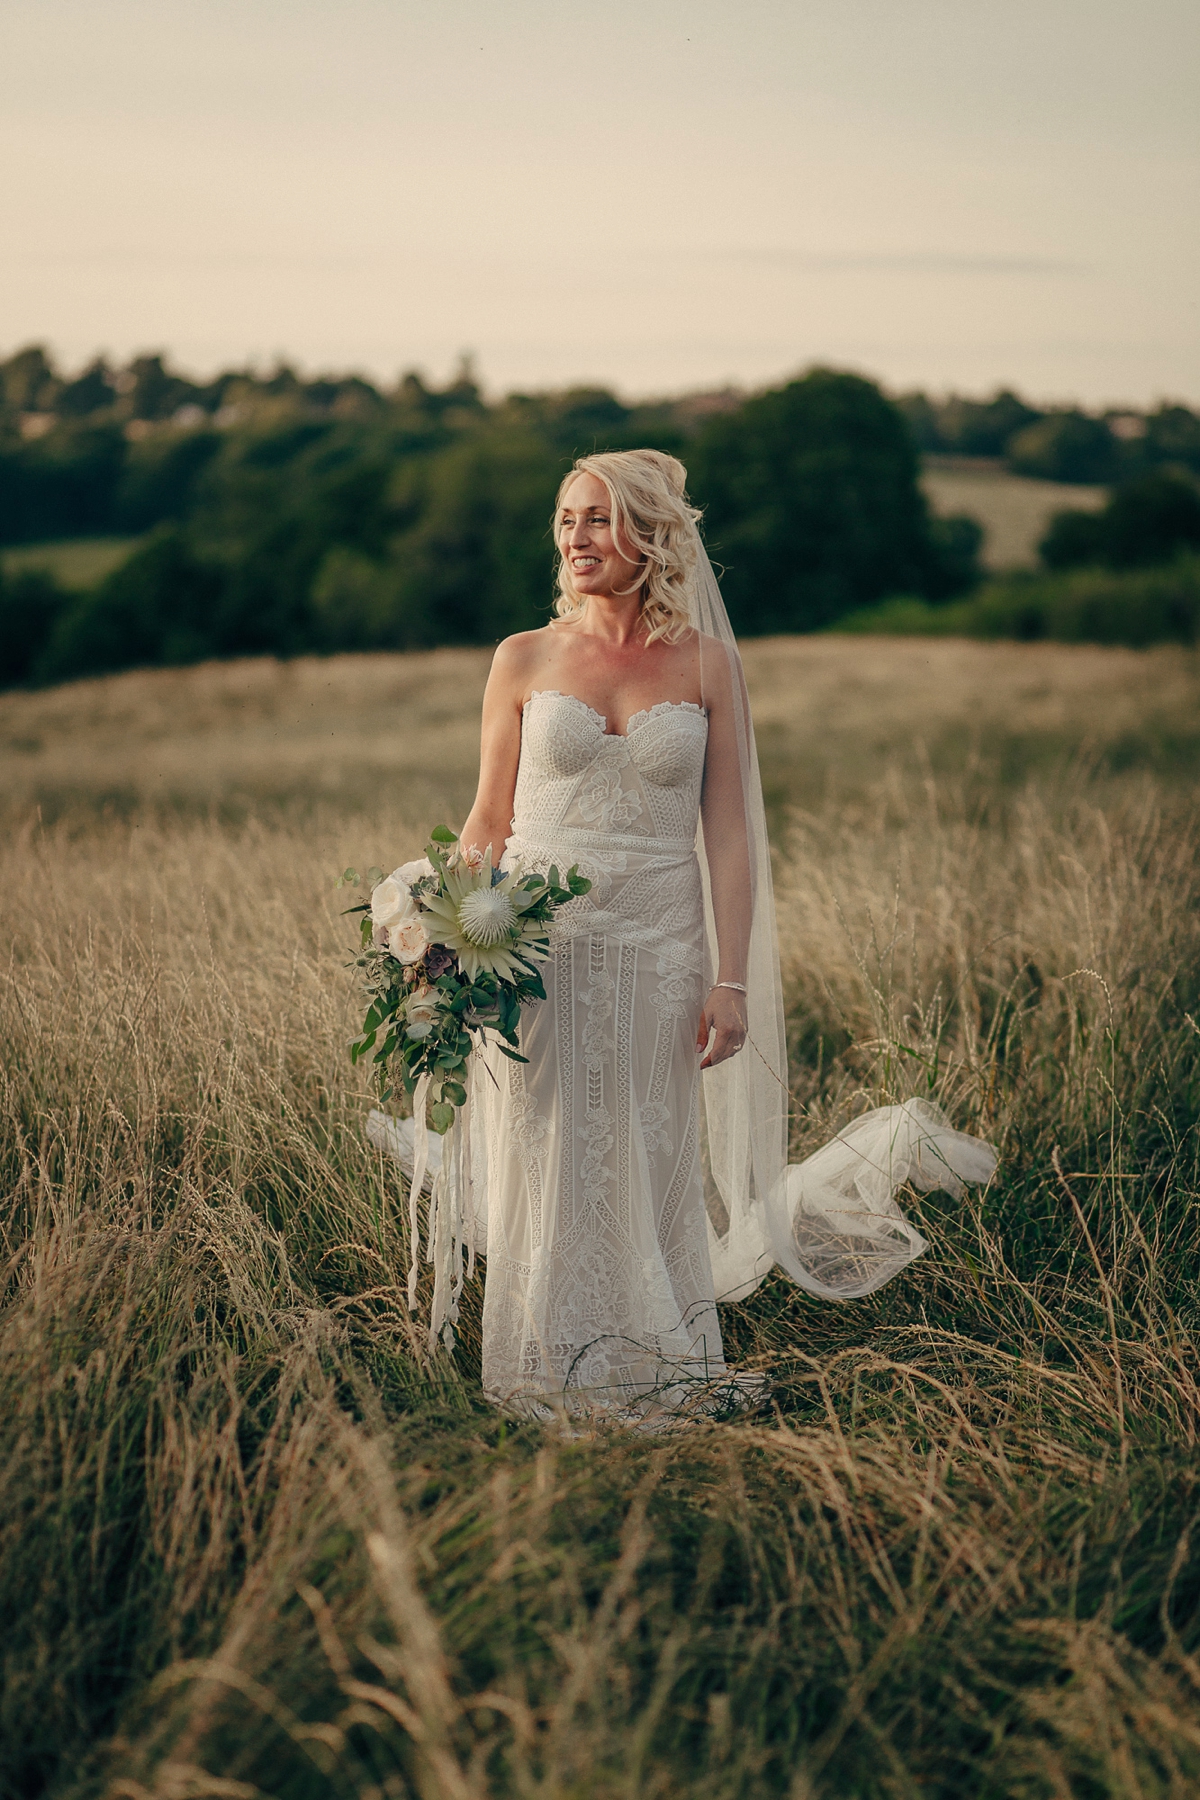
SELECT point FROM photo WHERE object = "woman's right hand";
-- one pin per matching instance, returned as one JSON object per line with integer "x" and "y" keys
{"x": 723, "y": 1021}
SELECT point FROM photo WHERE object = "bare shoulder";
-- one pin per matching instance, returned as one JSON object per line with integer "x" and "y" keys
{"x": 709, "y": 645}
{"x": 717, "y": 661}
{"x": 517, "y": 656}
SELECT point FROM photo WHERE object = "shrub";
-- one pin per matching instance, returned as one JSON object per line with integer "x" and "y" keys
{"x": 957, "y": 541}
{"x": 1146, "y": 521}
{"x": 1093, "y": 606}
{"x": 1074, "y": 540}
{"x": 30, "y": 607}
{"x": 1151, "y": 520}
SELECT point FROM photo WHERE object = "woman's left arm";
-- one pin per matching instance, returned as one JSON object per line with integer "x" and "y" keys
{"x": 726, "y": 847}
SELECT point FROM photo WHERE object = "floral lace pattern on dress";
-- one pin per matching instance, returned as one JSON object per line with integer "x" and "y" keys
{"x": 598, "y": 1280}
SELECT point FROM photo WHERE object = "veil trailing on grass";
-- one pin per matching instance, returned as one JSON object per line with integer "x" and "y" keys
{"x": 832, "y": 1221}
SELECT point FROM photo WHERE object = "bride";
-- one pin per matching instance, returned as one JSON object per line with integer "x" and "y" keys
{"x": 634, "y": 1170}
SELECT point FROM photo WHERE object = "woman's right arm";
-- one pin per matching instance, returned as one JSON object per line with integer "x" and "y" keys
{"x": 490, "y": 818}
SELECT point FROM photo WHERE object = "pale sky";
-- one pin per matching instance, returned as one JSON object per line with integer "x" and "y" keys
{"x": 653, "y": 194}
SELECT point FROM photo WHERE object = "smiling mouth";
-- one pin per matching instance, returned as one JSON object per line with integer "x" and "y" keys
{"x": 585, "y": 562}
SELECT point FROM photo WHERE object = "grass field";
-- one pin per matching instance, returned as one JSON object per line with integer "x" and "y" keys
{"x": 74, "y": 563}
{"x": 1014, "y": 510}
{"x": 254, "y": 1542}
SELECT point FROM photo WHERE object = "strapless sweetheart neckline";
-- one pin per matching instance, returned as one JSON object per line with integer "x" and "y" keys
{"x": 634, "y": 721}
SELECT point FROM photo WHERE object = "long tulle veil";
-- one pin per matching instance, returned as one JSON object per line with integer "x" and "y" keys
{"x": 832, "y": 1221}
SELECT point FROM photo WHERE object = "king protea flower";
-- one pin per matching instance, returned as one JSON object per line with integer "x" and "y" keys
{"x": 482, "y": 921}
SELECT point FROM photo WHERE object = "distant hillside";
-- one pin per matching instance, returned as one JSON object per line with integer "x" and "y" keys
{"x": 1014, "y": 510}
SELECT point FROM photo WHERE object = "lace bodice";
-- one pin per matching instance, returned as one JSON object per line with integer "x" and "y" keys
{"x": 575, "y": 774}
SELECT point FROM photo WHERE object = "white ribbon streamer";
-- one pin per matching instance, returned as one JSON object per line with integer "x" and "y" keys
{"x": 420, "y": 1164}
{"x": 444, "y": 1165}
{"x": 447, "y": 1224}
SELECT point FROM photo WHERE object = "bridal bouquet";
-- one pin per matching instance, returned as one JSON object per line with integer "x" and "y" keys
{"x": 450, "y": 946}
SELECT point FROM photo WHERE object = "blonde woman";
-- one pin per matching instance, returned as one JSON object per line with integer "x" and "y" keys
{"x": 634, "y": 1168}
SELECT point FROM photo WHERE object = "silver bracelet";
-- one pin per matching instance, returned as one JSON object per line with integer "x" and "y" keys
{"x": 739, "y": 987}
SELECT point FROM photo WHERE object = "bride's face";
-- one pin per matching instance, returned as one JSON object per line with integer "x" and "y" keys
{"x": 588, "y": 545}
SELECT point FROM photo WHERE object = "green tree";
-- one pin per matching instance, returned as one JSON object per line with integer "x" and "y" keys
{"x": 966, "y": 427}
{"x": 28, "y": 381}
{"x": 160, "y": 477}
{"x": 1065, "y": 446}
{"x": 812, "y": 504}
{"x": 476, "y": 563}
{"x": 149, "y": 390}
{"x": 90, "y": 392}
{"x": 162, "y": 606}
{"x": 62, "y": 485}
{"x": 1073, "y": 540}
{"x": 1173, "y": 436}
{"x": 984, "y": 427}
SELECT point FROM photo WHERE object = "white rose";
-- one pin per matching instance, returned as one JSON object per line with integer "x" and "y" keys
{"x": 391, "y": 902}
{"x": 422, "y": 1004}
{"x": 412, "y": 871}
{"x": 407, "y": 941}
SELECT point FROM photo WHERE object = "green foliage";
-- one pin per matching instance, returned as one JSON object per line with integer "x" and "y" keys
{"x": 1094, "y": 606}
{"x": 1065, "y": 446}
{"x": 1074, "y": 540}
{"x": 161, "y": 606}
{"x": 63, "y": 484}
{"x": 475, "y": 563}
{"x": 1172, "y": 435}
{"x": 330, "y": 514}
{"x": 28, "y": 381}
{"x": 967, "y": 427}
{"x": 75, "y": 564}
{"x": 812, "y": 504}
{"x": 1147, "y": 521}
{"x": 91, "y": 392}
{"x": 31, "y": 605}
{"x": 437, "y": 1041}
{"x": 324, "y": 516}
{"x": 160, "y": 478}
{"x": 957, "y": 541}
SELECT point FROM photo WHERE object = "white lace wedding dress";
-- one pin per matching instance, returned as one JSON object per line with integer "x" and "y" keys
{"x": 598, "y": 1272}
{"x": 615, "y": 1200}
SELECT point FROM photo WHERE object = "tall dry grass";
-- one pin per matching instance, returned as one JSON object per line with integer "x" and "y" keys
{"x": 253, "y": 1541}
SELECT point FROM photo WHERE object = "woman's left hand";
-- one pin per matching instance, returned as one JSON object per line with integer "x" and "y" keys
{"x": 724, "y": 1022}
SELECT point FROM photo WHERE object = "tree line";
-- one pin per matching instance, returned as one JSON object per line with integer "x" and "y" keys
{"x": 283, "y": 515}
{"x": 1062, "y": 443}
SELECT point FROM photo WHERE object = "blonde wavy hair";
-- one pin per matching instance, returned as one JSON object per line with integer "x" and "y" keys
{"x": 651, "y": 519}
